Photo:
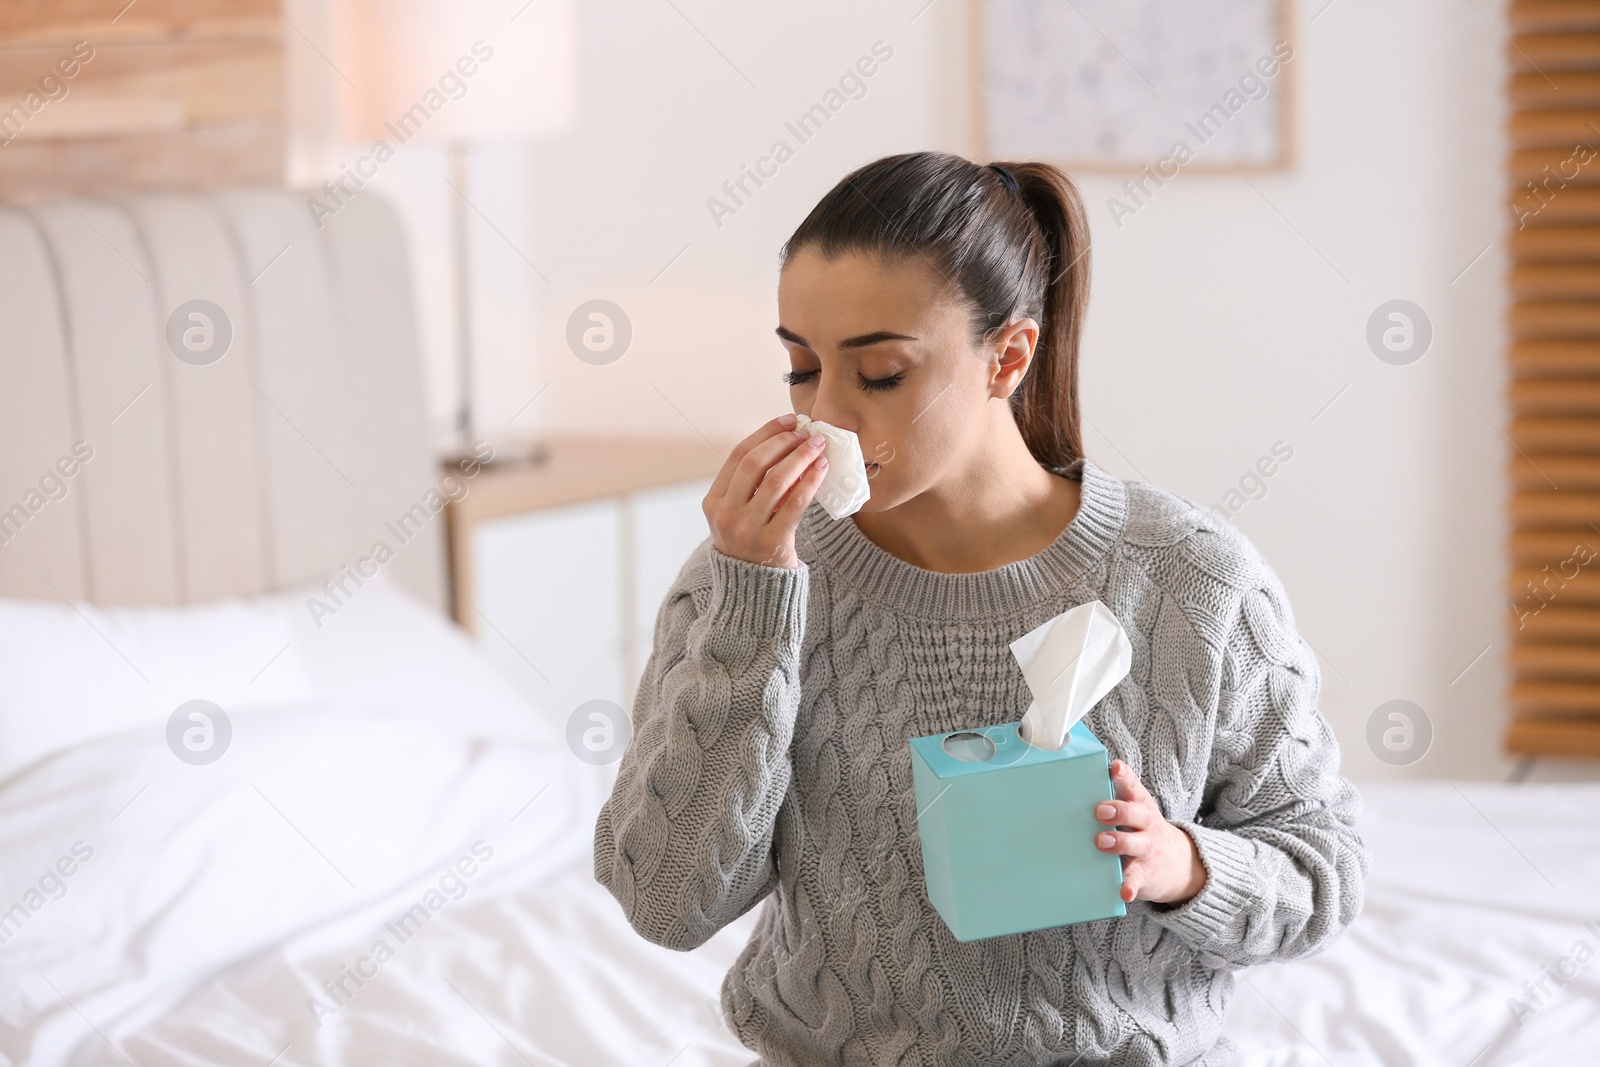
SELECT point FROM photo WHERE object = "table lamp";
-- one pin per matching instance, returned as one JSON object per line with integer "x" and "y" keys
{"x": 460, "y": 73}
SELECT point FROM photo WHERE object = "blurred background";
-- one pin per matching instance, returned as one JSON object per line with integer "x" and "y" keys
{"x": 599, "y": 156}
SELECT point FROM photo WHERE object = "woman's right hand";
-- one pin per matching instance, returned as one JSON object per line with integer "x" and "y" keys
{"x": 756, "y": 502}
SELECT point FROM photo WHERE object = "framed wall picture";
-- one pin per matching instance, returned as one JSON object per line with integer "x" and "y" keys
{"x": 1116, "y": 85}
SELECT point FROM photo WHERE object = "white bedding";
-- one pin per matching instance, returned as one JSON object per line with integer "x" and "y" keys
{"x": 218, "y": 899}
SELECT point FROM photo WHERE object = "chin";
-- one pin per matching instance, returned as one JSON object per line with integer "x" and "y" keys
{"x": 878, "y": 500}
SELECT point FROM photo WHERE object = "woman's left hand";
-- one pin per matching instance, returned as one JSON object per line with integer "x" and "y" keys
{"x": 1161, "y": 863}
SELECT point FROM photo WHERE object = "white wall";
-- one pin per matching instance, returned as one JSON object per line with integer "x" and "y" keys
{"x": 1225, "y": 316}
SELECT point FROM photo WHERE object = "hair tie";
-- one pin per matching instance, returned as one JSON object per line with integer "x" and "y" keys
{"x": 1007, "y": 177}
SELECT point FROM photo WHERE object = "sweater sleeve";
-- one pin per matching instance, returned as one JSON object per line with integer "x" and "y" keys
{"x": 685, "y": 840}
{"x": 1276, "y": 831}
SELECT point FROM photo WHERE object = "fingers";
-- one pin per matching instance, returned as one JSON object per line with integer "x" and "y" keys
{"x": 759, "y": 469}
{"x": 1120, "y": 843}
{"x": 725, "y": 477}
{"x": 1126, "y": 783}
{"x": 783, "y": 474}
{"x": 1135, "y": 815}
{"x": 805, "y": 487}
{"x": 757, "y": 500}
{"x": 1132, "y": 882}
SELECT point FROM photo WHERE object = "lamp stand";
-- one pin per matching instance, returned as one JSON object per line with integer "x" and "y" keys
{"x": 458, "y": 153}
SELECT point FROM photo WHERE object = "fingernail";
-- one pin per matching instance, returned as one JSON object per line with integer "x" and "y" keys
{"x": 1105, "y": 812}
{"x": 786, "y": 420}
{"x": 817, "y": 439}
{"x": 1105, "y": 840}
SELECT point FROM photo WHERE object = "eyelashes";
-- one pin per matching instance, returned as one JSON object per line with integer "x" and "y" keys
{"x": 871, "y": 384}
{"x": 800, "y": 377}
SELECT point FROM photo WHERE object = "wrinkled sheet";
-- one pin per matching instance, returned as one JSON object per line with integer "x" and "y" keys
{"x": 218, "y": 901}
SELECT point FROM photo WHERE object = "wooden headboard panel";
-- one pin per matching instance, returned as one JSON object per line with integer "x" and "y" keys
{"x": 294, "y": 453}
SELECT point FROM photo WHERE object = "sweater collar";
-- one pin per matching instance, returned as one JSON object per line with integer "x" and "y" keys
{"x": 1001, "y": 593}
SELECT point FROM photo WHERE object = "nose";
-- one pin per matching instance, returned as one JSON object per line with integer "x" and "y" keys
{"x": 829, "y": 406}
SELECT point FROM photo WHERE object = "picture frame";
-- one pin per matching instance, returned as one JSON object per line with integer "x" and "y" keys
{"x": 1118, "y": 85}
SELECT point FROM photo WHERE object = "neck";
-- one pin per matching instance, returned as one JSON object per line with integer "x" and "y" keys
{"x": 994, "y": 506}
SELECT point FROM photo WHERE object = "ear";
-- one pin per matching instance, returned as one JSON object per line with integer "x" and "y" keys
{"x": 1010, "y": 354}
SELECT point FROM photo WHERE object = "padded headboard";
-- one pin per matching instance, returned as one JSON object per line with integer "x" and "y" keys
{"x": 295, "y": 453}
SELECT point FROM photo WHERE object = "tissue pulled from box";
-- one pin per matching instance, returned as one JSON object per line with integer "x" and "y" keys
{"x": 1070, "y": 662}
{"x": 844, "y": 487}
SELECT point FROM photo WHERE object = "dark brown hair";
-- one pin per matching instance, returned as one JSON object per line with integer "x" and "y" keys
{"x": 1006, "y": 255}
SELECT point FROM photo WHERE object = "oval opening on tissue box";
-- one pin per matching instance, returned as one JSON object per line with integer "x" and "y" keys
{"x": 969, "y": 747}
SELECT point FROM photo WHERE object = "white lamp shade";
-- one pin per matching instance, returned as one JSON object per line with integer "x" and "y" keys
{"x": 472, "y": 70}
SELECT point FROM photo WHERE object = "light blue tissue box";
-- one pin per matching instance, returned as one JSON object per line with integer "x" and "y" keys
{"x": 1008, "y": 840}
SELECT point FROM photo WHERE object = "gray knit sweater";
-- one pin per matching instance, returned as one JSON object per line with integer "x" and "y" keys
{"x": 769, "y": 765}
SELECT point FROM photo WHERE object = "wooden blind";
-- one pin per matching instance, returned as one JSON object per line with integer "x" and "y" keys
{"x": 176, "y": 94}
{"x": 1554, "y": 580}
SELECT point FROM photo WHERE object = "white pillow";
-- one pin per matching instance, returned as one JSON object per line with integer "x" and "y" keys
{"x": 72, "y": 673}
{"x": 382, "y": 649}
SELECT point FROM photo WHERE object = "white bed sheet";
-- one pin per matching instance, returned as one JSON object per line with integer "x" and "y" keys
{"x": 216, "y": 905}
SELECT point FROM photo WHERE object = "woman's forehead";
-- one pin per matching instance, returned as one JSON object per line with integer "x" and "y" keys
{"x": 854, "y": 294}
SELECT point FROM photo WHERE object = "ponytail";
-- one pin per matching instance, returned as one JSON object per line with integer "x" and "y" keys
{"x": 1046, "y": 403}
{"x": 1011, "y": 251}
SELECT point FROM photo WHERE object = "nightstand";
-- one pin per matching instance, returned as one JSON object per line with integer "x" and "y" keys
{"x": 558, "y": 566}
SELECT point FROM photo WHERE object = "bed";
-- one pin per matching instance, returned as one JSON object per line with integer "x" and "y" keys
{"x": 389, "y": 859}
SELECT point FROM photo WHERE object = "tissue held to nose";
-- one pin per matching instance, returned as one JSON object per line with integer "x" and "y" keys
{"x": 844, "y": 487}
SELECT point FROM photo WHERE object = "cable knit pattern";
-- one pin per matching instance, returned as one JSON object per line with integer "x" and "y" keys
{"x": 769, "y": 764}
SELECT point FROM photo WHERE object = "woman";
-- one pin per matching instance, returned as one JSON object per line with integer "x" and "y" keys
{"x": 934, "y": 307}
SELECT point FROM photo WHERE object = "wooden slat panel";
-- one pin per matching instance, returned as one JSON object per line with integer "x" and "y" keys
{"x": 1555, "y": 89}
{"x": 1548, "y": 16}
{"x": 1535, "y": 473}
{"x": 1553, "y": 580}
{"x": 1556, "y": 396}
{"x": 1555, "y": 281}
{"x": 1539, "y": 547}
{"x": 1555, "y": 435}
{"x": 1558, "y": 661}
{"x": 1555, "y": 359}
{"x": 1568, "y": 581}
{"x": 1553, "y": 129}
{"x": 1554, "y": 737}
{"x": 1556, "y": 698}
{"x": 1555, "y": 622}
{"x": 1554, "y": 51}
{"x": 1542, "y": 244}
{"x": 1574, "y": 204}
{"x": 1554, "y": 509}
{"x": 1560, "y": 168}
{"x": 1555, "y": 320}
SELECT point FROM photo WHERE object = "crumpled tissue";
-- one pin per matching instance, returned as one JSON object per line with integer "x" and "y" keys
{"x": 844, "y": 487}
{"x": 1070, "y": 662}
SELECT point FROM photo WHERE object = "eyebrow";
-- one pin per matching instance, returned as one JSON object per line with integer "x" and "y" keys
{"x": 863, "y": 341}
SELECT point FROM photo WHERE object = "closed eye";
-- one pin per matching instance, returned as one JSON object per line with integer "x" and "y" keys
{"x": 800, "y": 377}
{"x": 879, "y": 383}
